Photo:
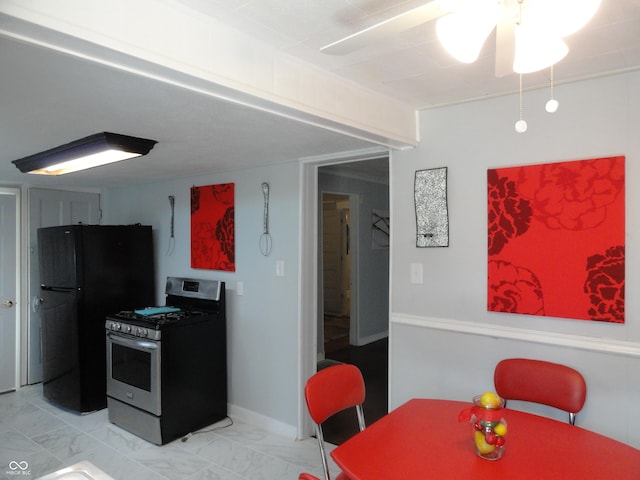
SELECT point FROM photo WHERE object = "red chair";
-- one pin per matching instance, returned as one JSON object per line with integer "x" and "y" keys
{"x": 308, "y": 476}
{"x": 328, "y": 392}
{"x": 541, "y": 382}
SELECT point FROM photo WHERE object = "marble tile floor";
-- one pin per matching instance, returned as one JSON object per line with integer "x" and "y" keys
{"x": 48, "y": 438}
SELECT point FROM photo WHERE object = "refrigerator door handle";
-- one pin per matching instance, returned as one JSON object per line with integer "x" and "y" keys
{"x": 60, "y": 289}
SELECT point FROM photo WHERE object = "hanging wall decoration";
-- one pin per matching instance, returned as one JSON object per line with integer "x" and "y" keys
{"x": 556, "y": 239}
{"x": 265, "y": 241}
{"x": 213, "y": 227}
{"x": 172, "y": 238}
{"x": 432, "y": 217}
{"x": 380, "y": 229}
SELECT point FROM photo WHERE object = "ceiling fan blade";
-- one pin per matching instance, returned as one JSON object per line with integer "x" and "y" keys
{"x": 505, "y": 46}
{"x": 386, "y": 29}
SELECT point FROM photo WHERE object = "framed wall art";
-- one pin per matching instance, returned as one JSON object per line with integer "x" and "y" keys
{"x": 432, "y": 216}
{"x": 556, "y": 239}
{"x": 213, "y": 227}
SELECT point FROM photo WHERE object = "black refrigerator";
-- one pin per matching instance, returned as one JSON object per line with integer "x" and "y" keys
{"x": 87, "y": 272}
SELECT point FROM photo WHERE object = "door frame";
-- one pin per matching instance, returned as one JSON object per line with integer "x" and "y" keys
{"x": 309, "y": 261}
{"x": 16, "y": 192}
{"x": 68, "y": 207}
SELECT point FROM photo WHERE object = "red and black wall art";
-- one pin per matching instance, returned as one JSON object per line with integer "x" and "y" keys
{"x": 556, "y": 239}
{"x": 213, "y": 227}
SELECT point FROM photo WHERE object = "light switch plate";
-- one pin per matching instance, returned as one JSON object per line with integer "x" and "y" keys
{"x": 416, "y": 273}
{"x": 279, "y": 268}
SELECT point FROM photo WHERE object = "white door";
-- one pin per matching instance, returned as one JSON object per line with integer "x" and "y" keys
{"x": 50, "y": 208}
{"x": 335, "y": 253}
{"x": 9, "y": 303}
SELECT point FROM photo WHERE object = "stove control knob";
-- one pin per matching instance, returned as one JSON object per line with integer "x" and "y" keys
{"x": 128, "y": 328}
{"x": 118, "y": 327}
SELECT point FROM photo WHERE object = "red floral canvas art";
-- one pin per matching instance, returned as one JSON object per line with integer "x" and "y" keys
{"x": 213, "y": 227}
{"x": 556, "y": 239}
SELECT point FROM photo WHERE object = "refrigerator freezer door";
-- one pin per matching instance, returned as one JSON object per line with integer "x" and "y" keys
{"x": 59, "y": 247}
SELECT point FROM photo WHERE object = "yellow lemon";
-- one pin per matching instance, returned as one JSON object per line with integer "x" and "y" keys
{"x": 490, "y": 400}
{"x": 481, "y": 444}
{"x": 500, "y": 429}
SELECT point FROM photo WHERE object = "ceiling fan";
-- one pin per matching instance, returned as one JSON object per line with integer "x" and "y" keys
{"x": 529, "y": 33}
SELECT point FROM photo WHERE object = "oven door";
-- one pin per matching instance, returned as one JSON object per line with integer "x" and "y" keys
{"x": 133, "y": 371}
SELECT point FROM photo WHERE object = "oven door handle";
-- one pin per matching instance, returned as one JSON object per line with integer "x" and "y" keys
{"x": 132, "y": 343}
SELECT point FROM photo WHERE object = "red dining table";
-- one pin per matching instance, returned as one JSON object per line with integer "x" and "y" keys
{"x": 423, "y": 439}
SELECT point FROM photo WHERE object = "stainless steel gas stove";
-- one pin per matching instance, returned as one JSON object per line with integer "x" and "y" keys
{"x": 167, "y": 366}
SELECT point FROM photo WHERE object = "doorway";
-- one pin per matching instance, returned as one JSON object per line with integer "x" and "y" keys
{"x": 336, "y": 272}
{"x": 372, "y": 163}
{"x": 353, "y": 309}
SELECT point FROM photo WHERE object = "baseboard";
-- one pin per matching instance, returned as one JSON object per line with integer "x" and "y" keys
{"x": 372, "y": 338}
{"x": 269, "y": 424}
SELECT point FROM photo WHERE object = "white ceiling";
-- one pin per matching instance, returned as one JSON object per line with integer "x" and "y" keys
{"x": 49, "y": 98}
{"x": 413, "y": 66}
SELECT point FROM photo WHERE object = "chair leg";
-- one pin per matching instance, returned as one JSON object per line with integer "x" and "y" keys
{"x": 360, "y": 413}
{"x": 323, "y": 453}
{"x": 572, "y": 418}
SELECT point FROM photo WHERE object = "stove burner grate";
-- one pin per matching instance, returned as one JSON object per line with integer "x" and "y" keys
{"x": 159, "y": 318}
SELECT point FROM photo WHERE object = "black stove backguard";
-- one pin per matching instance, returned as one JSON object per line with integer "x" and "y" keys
{"x": 190, "y": 354}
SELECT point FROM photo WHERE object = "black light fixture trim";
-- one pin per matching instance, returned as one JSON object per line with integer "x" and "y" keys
{"x": 83, "y": 147}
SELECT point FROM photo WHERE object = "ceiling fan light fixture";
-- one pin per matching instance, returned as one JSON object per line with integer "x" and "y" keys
{"x": 536, "y": 49}
{"x": 552, "y": 104}
{"x": 88, "y": 152}
{"x": 559, "y": 17}
{"x": 464, "y": 32}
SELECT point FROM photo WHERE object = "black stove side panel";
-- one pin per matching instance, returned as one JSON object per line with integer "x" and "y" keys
{"x": 194, "y": 376}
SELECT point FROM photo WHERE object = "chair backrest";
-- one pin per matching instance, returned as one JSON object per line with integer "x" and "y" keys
{"x": 541, "y": 382}
{"x": 330, "y": 391}
{"x": 307, "y": 476}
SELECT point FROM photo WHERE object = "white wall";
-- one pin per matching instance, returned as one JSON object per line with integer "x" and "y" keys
{"x": 263, "y": 323}
{"x": 444, "y": 343}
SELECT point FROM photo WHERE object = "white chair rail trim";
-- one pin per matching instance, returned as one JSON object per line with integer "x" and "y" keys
{"x": 582, "y": 342}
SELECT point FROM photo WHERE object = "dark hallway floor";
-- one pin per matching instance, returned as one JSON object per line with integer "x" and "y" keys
{"x": 372, "y": 360}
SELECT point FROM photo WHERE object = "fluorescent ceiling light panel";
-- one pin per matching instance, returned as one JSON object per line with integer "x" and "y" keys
{"x": 92, "y": 151}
